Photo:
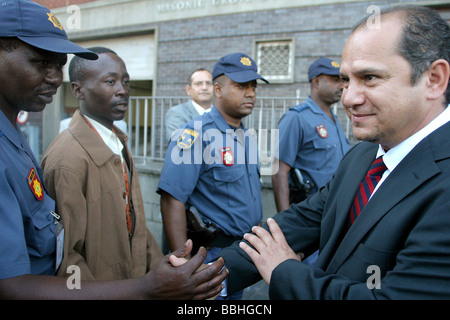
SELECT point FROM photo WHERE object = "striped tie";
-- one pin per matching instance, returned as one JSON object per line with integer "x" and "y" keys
{"x": 366, "y": 188}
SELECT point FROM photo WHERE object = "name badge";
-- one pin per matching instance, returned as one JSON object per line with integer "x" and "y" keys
{"x": 59, "y": 233}
{"x": 227, "y": 156}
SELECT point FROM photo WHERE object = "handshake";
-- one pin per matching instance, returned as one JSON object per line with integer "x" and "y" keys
{"x": 176, "y": 277}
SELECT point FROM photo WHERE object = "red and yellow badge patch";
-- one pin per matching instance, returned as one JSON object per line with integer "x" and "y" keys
{"x": 322, "y": 131}
{"x": 35, "y": 185}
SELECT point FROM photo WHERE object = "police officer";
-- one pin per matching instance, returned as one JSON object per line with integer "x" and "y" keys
{"x": 311, "y": 138}
{"x": 33, "y": 51}
{"x": 213, "y": 165}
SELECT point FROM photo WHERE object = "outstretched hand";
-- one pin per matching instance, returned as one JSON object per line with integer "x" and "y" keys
{"x": 270, "y": 249}
{"x": 175, "y": 277}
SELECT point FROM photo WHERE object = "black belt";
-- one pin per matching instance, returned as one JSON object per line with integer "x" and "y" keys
{"x": 222, "y": 240}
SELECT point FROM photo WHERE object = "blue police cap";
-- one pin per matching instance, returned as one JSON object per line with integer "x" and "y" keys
{"x": 36, "y": 25}
{"x": 239, "y": 67}
{"x": 323, "y": 66}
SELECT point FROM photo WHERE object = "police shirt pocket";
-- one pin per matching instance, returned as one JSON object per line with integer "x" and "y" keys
{"x": 229, "y": 182}
{"x": 323, "y": 153}
{"x": 321, "y": 144}
{"x": 44, "y": 240}
{"x": 227, "y": 174}
{"x": 40, "y": 221}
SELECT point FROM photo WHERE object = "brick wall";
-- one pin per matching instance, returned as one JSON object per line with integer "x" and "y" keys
{"x": 318, "y": 31}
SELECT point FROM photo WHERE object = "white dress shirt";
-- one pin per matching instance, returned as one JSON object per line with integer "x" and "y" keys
{"x": 395, "y": 155}
{"x": 109, "y": 137}
{"x": 199, "y": 108}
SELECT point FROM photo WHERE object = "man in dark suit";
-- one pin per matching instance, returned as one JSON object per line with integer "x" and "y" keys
{"x": 386, "y": 236}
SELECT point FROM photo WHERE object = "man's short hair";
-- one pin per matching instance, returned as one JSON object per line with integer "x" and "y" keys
{"x": 425, "y": 38}
{"x": 189, "y": 82}
{"x": 76, "y": 66}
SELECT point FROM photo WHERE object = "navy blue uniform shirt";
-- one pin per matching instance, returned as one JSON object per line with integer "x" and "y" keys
{"x": 215, "y": 168}
{"x": 311, "y": 141}
{"x": 27, "y": 239}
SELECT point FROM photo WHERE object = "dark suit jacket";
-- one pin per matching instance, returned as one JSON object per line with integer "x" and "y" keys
{"x": 404, "y": 231}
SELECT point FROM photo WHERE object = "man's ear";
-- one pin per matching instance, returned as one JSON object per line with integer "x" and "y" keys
{"x": 314, "y": 82}
{"x": 188, "y": 89}
{"x": 438, "y": 78}
{"x": 77, "y": 90}
{"x": 217, "y": 89}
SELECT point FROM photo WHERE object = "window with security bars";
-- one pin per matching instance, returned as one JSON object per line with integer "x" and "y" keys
{"x": 275, "y": 60}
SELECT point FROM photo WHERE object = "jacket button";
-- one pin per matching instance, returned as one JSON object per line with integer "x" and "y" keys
{"x": 117, "y": 162}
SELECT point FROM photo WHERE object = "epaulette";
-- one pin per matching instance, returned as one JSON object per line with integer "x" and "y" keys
{"x": 300, "y": 107}
{"x": 204, "y": 119}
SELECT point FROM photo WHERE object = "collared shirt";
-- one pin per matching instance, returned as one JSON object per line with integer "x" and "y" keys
{"x": 109, "y": 137}
{"x": 199, "y": 108}
{"x": 27, "y": 239}
{"x": 311, "y": 141}
{"x": 395, "y": 155}
{"x": 215, "y": 168}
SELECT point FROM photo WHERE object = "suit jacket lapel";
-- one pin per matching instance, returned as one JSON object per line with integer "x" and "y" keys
{"x": 193, "y": 113}
{"x": 348, "y": 185}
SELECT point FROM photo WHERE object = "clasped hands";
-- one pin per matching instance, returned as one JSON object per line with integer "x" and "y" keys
{"x": 269, "y": 250}
{"x": 176, "y": 277}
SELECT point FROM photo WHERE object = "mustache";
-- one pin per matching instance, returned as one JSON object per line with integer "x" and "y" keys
{"x": 47, "y": 89}
{"x": 120, "y": 102}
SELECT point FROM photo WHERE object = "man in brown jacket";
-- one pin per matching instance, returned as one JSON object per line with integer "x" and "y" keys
{"x": 90, "y": 173}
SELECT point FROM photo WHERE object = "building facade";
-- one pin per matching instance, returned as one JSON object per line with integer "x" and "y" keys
{"x": 162, "y": 41}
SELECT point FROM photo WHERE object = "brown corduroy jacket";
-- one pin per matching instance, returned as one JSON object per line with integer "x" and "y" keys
{"x": 86, "y": 180}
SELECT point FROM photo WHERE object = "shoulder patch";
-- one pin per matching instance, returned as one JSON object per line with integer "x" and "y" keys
{"x": 35, "y": 185}
{"x": 300, "y": 107}
{"x": 187, "y": 138}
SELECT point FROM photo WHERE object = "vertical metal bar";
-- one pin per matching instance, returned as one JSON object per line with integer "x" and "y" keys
{"x": 260, "y": 121}
{"x": 129, "y": 125}
{"x": 145, "y": 140}
{"x": 162, "y": 135}
{"x": 138, "y": 125}
{"x": 153, "y": 129}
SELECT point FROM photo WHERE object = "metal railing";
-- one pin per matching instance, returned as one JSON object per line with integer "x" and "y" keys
{"x": 146, "y": 117}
